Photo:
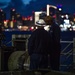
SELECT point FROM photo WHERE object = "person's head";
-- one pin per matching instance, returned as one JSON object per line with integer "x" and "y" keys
{"x": 48, "y": 20}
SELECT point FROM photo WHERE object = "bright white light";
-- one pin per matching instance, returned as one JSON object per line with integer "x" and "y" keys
{"x": 66, "y": 21}
{"x": 62, "y": 16}
{"x": 19, "y": 27}
{"x": 66, "y": 16}
{"x": 32, "y": 27}
{"x": 60, "y": 9}
{"x": 47, "y": 28}
{"x": 13, "y": 9}
{"x": 36, "y": 27}
{"x": 61, "y": 26}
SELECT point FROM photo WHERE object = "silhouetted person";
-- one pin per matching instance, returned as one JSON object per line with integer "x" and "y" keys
{"x": 55, "y": 49}
{"x": 38, "y": 46}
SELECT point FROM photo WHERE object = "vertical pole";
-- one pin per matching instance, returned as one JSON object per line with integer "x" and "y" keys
{"x": 48, "y": 6}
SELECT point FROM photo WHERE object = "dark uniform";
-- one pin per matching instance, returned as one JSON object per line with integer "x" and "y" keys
{"x": 55, "y": 46}
{"x": 38, "y": 47}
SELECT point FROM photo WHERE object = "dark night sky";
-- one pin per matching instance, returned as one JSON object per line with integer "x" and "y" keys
{"x": 25, "y": 7}
{"x": 68, "y": 5}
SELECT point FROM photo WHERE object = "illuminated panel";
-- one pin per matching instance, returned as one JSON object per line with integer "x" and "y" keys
{"x": 37, "y": 16}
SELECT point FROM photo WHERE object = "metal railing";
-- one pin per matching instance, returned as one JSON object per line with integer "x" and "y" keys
{"x": 66, "y": 62}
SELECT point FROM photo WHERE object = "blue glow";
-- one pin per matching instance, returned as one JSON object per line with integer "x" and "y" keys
{"x": 5, "y": 1}
{"x": 26, "y": 1}
{"x": 59, "y": 6}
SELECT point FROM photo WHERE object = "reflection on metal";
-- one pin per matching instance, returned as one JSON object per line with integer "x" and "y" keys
{"x": 17, "y": 60}
{"x": 66, "y": 59}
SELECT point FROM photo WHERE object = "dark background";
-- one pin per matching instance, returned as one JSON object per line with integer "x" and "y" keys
{"x": 27, "y": 7}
